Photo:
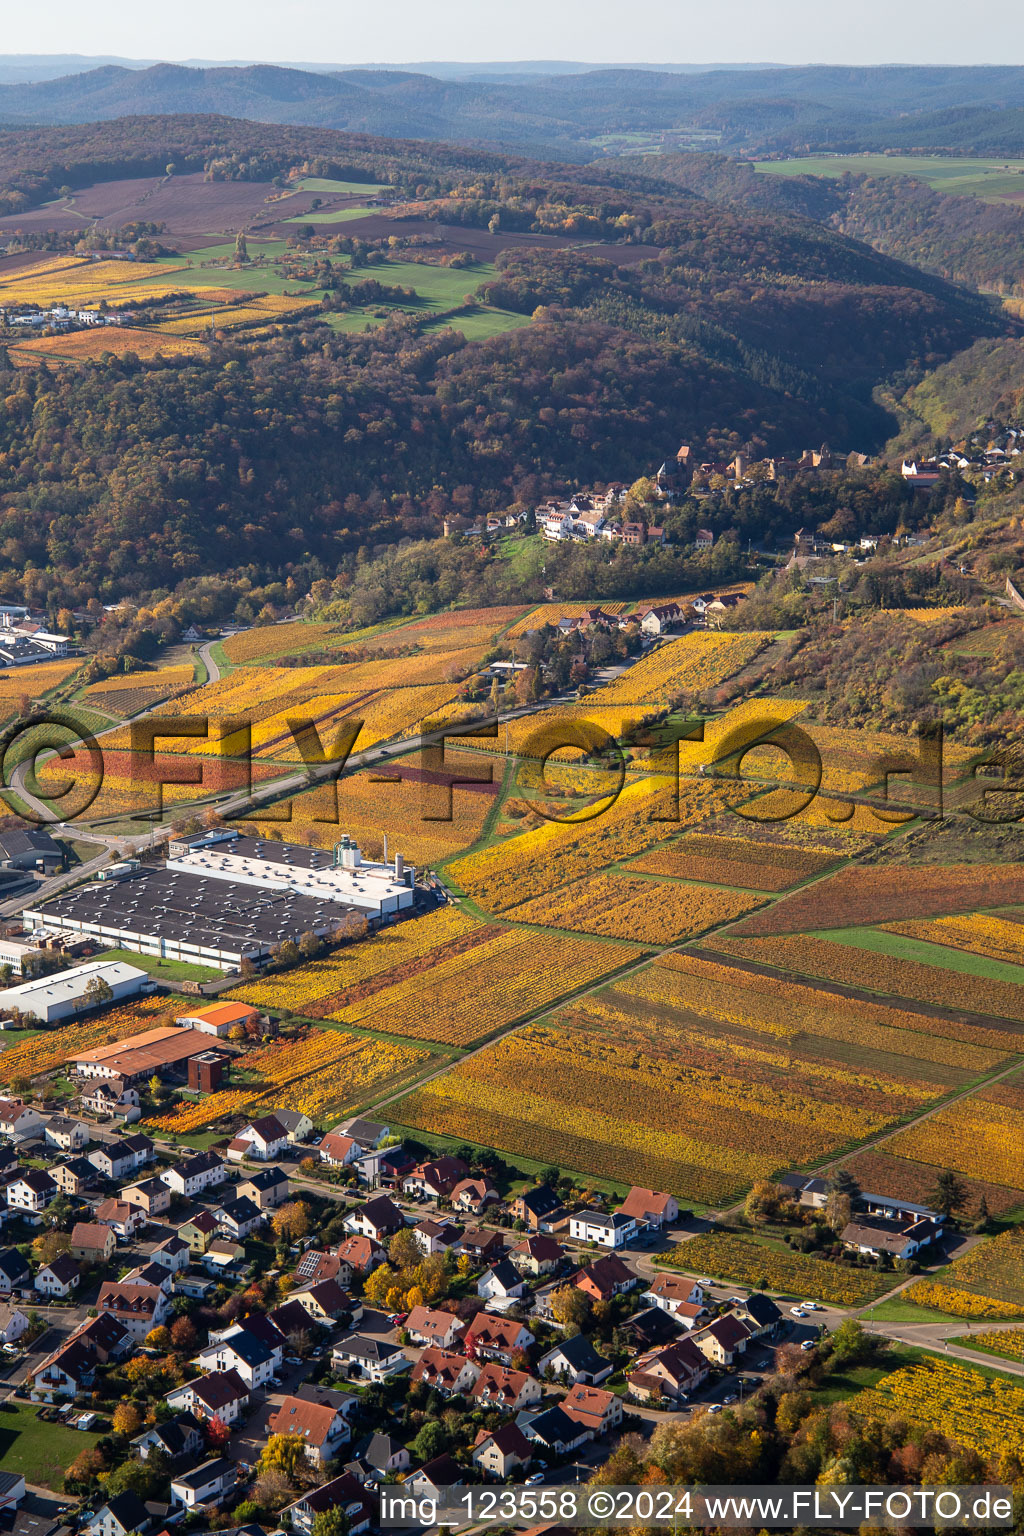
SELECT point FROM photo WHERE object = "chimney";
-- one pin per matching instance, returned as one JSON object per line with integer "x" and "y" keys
{"x": 399, "y": 867}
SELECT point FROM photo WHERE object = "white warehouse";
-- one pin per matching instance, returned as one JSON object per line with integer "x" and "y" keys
{"x": 50, "y": 998}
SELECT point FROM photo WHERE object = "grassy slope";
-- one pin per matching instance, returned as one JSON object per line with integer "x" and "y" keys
{"x": 900, "y": 947}
{"x": 990, "y": 179}
{"x": 39, "y": 1450}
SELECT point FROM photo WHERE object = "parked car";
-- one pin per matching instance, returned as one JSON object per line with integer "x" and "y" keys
{"x": 798, "y": 1311}
{"x": 808, "y": 1344}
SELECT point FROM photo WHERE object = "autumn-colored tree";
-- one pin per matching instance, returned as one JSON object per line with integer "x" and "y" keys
{"x": 184, "y": 1338}
{"x": 126, "y": 1419}
{"x": 283, "y": 1453}
{"x": 158, "y": 1338}
{"x": 291, "y": 1222}
{"x": 87, "y": 1466}
{"x": 50, "y": 1245}
{"x": 403, "y": 1249}
{"x": 217, "y": 1433}
{"x": 570, "y": 1306}
{"x": 377, "y": 1284}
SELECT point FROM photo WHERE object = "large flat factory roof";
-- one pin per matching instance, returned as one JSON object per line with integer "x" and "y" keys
{"x": 308, "y": 871}
{"x": 188, "y": 908}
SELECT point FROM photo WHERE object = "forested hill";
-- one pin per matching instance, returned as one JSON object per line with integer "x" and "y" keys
{"x": 730, "y": 329}
{"x": 963, "y": 239}
{"x": 766, "y": 109}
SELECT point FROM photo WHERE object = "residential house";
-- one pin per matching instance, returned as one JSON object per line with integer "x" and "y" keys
{"x": 30, "y": 1193}
{"x": 500, "y": 1452}
{"x": 362, "y": 1253}
{"x": 222, "y": 1254}
{"x": 812, "y": 1192}
{"x": 435, "y": 1179}
{"x": 138, "y": 1308}
{"x": 239, "y": 1218}
{"x": 205, "y": 1485}
{"x": 292, "y": 1320}
{"x": 430, "y": 1481}
{"x": 435, "y": 1236}
{"x": 323, "y": 1429}
{"x": 540, "y": 1209}
{"x": 256, "y": 1325}
{"x": 434, "y": 1327}
{"x": 19, "y": 1121}
{"x": 385, "y": 1455}
{"x": 194, "y": 1175}
{"x": 338, "y": 1150}
{"x": 608, "y": 1276}
{"x": 123, "y": 1219}
{"x": 537, "y": 1255}
{"x": 481, "y": 1244}
{"x": 198, "y": 1231}
{"x": 13, "y": 1323}
{"x": 677, "y": 1295}
{"x": 242, "y": 1353}
{"x": 445, "y": 1371}
{"x": 298, "y": 1126}
{"x": 379, "y": 1218}
{"x": 474, "y": 1196}
{"x": 173, "y": 1254}
{"x": 119, "y": 1516}
{"x": 553, "y": 1430}
{"x": 115, "y": 1160}
{"x": 502, "y": 1282}
{"x": 70, "y": 1368}
{"x": 151, "y": 1195}
{"x": 74, "y": 1177}
{"x": 222, "y": 1395}
{"x": 262, "y": 1140}
{"x": 761, "y": 1316}
{"x": 113, "y": 1097}
{"x": 607, "y": 1230}
{"x": 345, "y": 1493}
{"x": 12, "y": 1492}
{"x": 369, "y": 1359}
{"x": 898, "y": 1239}
{"x": 496, "y": 1338}
{"x": 316, "y": 1265}
{"x": 650, "y": 1208}
{"x": 661, "y": 618}
{"x": 328, "y": 1303}
{"x": 722, "y": 1340}
{"x": 150, "y": 1274}
{"x": 574, "y": 1360}
{"x": 267, "y": 1189}
{"x": 179, "y": 1439}
{"x": 368, "y": 1133}
{"x": 14, "y": 1271}
{"x": 384, "y": 1167}
{"x": 498, "y": 1387}
{"x": 672, "y": 1371}
{"x": 65, "y": 1134}
{"x": 57, "y": 1279}
{"x": 142, "y": 1149}
{"x": 597, "y": 1410}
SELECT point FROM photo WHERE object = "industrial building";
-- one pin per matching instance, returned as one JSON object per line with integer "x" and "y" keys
{"x": 50, "y": 998}
{"x": 222, "y": 898}
{"x": 137, "y": 1057}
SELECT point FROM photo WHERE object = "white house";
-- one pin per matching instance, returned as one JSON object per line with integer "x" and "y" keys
{"x": 262, "y": 1139}
{"x": 243, "y": 1353}
{"x": 607, "y": 1231}
{"x": 195, "y": 1174}
{"x": 31, "y": 1192}
{"x": 68, "y": 1135}
{"x": 208, "y": 1484}
{"x": 501, "y": 1282}
{"x": 18, "y": 1121}
{"x": 222, "y": 1395}
{"x": 58, "y": 1278}
{"x": 13, "y": 1323}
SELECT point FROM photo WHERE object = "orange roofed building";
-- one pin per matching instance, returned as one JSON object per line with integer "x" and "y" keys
{"x": 219, "y": 1018}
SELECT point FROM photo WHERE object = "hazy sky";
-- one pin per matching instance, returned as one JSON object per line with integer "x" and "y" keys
{"x": 677, "y": 31}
